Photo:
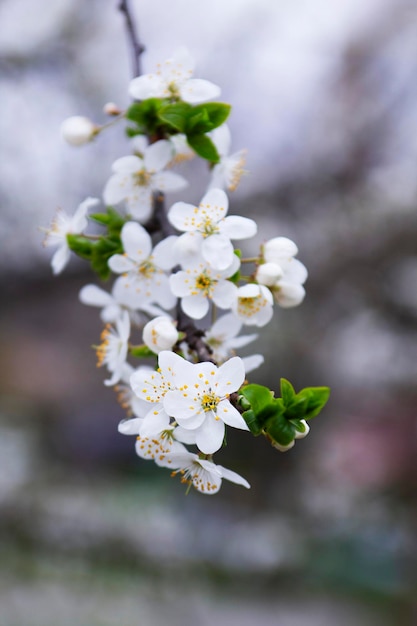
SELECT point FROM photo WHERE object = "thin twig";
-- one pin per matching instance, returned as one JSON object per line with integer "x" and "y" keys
{"x": 137, "y": 47}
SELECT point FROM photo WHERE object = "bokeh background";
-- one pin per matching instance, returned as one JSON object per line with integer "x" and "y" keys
{"x": 325, "y": 100}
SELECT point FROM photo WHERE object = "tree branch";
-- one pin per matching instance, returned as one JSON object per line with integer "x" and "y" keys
{"x": 136, "y": 46}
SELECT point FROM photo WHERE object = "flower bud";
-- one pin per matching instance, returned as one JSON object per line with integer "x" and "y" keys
{"x": 281, "y": 448}
{"x": 279, "y": 247}
{"x": 160, "y": 334}
{"x": 301, "y": 435}
{"x": 268, "y": 274}
{"x": 78, "y": 130}
{"x": 110, "y": 108}
{"x": 288, "y": 295}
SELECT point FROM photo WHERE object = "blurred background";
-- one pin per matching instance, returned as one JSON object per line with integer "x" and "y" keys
{"x": 325, "y": 100}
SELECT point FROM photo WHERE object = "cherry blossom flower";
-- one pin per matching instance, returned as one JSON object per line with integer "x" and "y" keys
{"x": 198, "y": 285}
{"x": 135, "y": 179}
{"x": 203, "y": 475}
{"x": 160, "y": 334}
{"x": 129, "y": 401}
{"x": 282, "y": 273}
{"x": 113, "y": 304}
{"x": 152, "y": 386}
{"x": 222, "y": 337}
{"x": 211, "y": 230}
{"x": 173, "y": 80}
{"x": 253, "y": 305}
{"x": 113, "y": 349}
{"x": 160, "y": 448}
{"x": 63, "y": 225}
{"x": 143, "y": 268}
{"x": 200, "y": 401}
{"x": 227, "y": 173}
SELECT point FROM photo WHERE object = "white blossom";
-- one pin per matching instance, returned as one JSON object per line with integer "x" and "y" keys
{"x": 199, "y": 285}
{"x": 287, "y": 288}
{"x": 142, "y": 268}
{"x": 135, "y": 179}
{"x": 209, "y": 227}
{"x": 226, "y": 174}
{"x": 113, "y": 349}
{"x": 200, "y": 401}
{"x": 160, "y": 334}
{"x": 63, "y": 225}
{"x": 203, "y": 475}
{"x": 113, "y": 304}
{"x": 253, "y": 305}
{"x": 223, "y": 338}
{"x": 173, "y": 80}
{"x": 78, "y": 130}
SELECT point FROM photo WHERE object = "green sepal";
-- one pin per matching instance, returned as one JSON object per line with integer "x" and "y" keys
{"x": 102, "y": 250}
{"x": 82, "y": 246}
{"x": 253, "y": 424}
{"x": 287, "y": 391}
{"x": 146, "y": 114}
{"x": 112, "y": 219}
{"x": 175, "y": 115}
{"x": 141, "y": 351}
{"x": 279, "y": 429}
{"x": 204, "y": 147}
{"x": 204, "y": 118}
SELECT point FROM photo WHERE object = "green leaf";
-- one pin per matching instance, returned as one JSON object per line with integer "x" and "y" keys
{"x": 206, "y": 117}
{"x": 145, "y": 114}
{"x": 204, "y": 147}
{"x": 287, "y": 391}
{"x": 258, "y": 396}
{"x": 175, "y": 115}
{"x": 279, "y": 429}
{"x": 141, "y": 351}
{"x": 102, "y": 250}
{"x": 315, "y": 399}
{"x": 253, "y": 424}
{"x": 80, "y": 245}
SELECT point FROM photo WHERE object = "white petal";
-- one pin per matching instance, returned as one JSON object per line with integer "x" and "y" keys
{"x": 120, "y": 264}
{"x": 289, "y": 295}
{"x": 233, "y": 477}
{"x": 139, "y": 203}
{"x": 184, "y": 60}
{"x": 279, "y": 247}
{"x": 158, "y": 155}
{"x": 236, "y": 227}
{"x": 230, "y": 376}
{"x": 168, "y": 181}
{"x": 210, "y": 435}
{"x": 128, "y": 164}
{"x": 117, "y": 188}
{"x": 94, "y": 296}
{"x": 146, "y": 86}
{"x": 230, "y": 415}
{"x": 130, "y": 426}
{"x": 79, "y": 221}
{"x": 136, "y": 241}
{"x": 154, "y": 422}
{"x": 218, "y": 251}
{"x": 60, "y": 258}
{"x": 198, "y": 90}
{"x": 294, "y": 271}
{"x": 195, "y": 306}
{"x": 180, "y": 284}
{"x": 181, "y": 405}
{"x": 216, "y": 201}
{"x": 182, "y": 216}
{"x": 164, "y": 254}
{"x": 243, "y": 340}
{"x": 222, "y": 139}
{"x": 252, "y": 362}
{"x": 224, "y": 294}
{"x": 226, "y": 327}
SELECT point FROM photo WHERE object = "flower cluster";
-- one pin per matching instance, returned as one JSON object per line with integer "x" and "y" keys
{"x": 181, "y": 292}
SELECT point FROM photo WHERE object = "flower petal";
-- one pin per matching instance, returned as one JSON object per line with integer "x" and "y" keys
{"x": 182, "y": 216}
{"x": 120, "y": 264}
{"x": 158, "y": 155}
{"x": 130, "y": 426}
{"x": 218, "y": 251}
{"x": 215, "y": 202}
{"x": 169, "y": 181}
{"x": 237, "y": 227}
{"x": 128, "y": 164}
{"x": 117, "y": 188}
{"x": 229, "y": 376}
{"x": 233, "y": 476}
{"x": 224, "y": 293}
{"x": 210, "y": 435}
{"x": 195, "y": 306}
{"x": 230, "y": 415}
{"x": 197, "y": 90}
{"x": 164, "y": 254}
{"x": 94, "y": 296}
{"x": 147, "y": 86}
{"x": 60, "y": 258}
{"x": 136, "y": 241}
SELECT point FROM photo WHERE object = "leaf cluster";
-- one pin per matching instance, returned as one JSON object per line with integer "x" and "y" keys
{"x": 98, "y": 251}
{"x": 280, "y": 418}
{"x": 159, "y": 117}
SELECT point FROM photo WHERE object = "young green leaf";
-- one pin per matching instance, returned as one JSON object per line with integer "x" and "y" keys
{"x": 175, "y": 115}
{"x": 279, "y": 429}
{"x": 252, "y": 422}
{"x": 141, "y": 351}
{"x": 315, "y": 399}
{"x": 258, "y": 396}
{"x": 287, "y": 391}
{"x": 204, "y": 147}
{"x": 80, "y": 245}
{"x": 206, "y": 117}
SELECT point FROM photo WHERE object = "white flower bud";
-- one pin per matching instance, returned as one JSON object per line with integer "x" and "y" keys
{"x": 279, "y": 247}
{"x": 298, "y": 434}
{"x": 281, "y": 448}
{"x": 288, "y": 295}
{"x": 268, "y": 274}
{"x": 78, "y": 130}
{"x": 160, "y": 334}
{"x": 110, "y": 108}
